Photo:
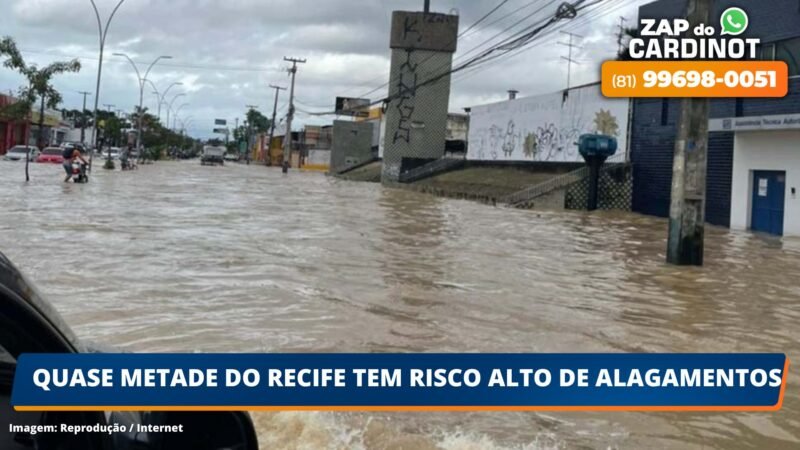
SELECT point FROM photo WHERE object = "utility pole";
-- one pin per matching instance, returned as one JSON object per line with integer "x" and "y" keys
{"x": 236, "y": 135}
{"x": 621, "y": 35}
{"x": 278, "y": 90}
{"x": 287, "y": 142}
{"x": 687, "y": 212}
{"x": 249, "y": 133}
{"x": 568, "y": 58}
{"x": 83, "y": 117}
{"x": 427, "y": 7}
{"x": 106, "y": 133}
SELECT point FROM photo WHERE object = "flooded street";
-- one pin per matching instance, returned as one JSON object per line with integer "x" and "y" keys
{"x": 182, "y": 258}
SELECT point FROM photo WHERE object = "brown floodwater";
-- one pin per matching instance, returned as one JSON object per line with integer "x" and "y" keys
{"x": 182, "y": 258}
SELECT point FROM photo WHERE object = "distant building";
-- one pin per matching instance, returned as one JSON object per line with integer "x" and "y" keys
{"x": 457, "y": 129}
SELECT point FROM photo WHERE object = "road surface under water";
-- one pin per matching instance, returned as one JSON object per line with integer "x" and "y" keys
{"x": 179, "y": 257}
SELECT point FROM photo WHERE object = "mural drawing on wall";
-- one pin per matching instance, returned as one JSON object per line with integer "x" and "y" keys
{"x": 544, "y": 128}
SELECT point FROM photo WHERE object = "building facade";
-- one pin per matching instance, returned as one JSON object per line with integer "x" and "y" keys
{"x": 545, "y": 128}
{"x": 12, "y": 132}
{"x": 754, "y": 144}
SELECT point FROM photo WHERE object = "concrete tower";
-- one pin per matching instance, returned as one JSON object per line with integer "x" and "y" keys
{"x": 422, "y": 45}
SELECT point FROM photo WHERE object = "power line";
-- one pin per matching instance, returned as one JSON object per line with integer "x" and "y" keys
{"x": 585, "y": 19}
{"x": 564, "y": 11}
{"x": 516, "y": 42}
{"x": 471, "y": 27}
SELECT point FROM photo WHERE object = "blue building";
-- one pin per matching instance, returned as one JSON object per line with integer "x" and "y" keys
{"x": 754, "y": 145}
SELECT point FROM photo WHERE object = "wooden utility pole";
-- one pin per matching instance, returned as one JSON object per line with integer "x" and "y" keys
{"x": 278, "y": 89}
{"x": 287, "y": 141}
{"x": 83, "y": 116}
{"x": 621, "y": 35}
{"x": 249, "y": 133}
{"x": 568, "y": 58}
{"x": 687, "y": 213}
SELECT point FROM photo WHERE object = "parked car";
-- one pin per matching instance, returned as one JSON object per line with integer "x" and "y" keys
{"x": 17, "y": 153}
{"x": 30, "y": 324}
{"x": 113, "y": 151}
{"x": 213, "y": 155}
{"x": 51, "y": 155}
{"x": 231, "y": 157}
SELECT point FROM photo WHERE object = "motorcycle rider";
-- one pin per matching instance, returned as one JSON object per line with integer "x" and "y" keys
{"x": 71, "y": 154}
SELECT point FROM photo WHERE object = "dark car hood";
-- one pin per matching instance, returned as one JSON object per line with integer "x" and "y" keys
{"x": 24, "y": 309}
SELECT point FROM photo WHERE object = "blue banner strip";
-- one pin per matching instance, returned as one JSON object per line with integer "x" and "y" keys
{"x": 751, "y": 382}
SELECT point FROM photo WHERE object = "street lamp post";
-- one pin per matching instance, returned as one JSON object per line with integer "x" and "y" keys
{"x": 162, "y": 97}
{"x": 142, "y": 81}
{"x": 169, "y": 106}
{"x": 103, "y": 32}
{"x": 175, "y": 119}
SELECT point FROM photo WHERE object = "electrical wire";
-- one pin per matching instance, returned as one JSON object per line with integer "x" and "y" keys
{"x": 476, "y": 48}
{"x": 460, "y": 35}
{"x": 509, "y": 45}
{"x": 518, "y": 41}
{"x": 589, "y": 17}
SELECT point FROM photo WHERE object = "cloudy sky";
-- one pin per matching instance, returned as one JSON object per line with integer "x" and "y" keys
{"x": 227, "y": 52}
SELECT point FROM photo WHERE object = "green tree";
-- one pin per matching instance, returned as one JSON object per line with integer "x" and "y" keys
{"x": 81, "y": 119}
{"x": 258, "y": 122}
{"x": 38, "y": 86}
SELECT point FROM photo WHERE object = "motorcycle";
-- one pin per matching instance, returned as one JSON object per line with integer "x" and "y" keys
{"x": 79, "y": 173}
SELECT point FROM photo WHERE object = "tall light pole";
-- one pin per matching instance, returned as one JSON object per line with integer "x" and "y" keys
{"x": 162, "y": 97}
{"x": 103, "y": 32}
{"x": 186, "y": 122}
{"x": 142, "y": 81}
{"x": 172, "y": 102}
{"x": 175, "y": 119}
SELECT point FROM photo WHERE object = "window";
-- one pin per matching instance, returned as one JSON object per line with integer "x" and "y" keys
{"x": 789, "y": 51}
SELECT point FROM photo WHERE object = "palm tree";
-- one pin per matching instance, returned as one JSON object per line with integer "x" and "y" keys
{"x": 38, "y": 86}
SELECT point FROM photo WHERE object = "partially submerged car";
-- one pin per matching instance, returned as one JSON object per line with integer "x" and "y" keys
{"x": 213, "y": 155}
{"x": 17, "y": 153}
{"x": 29, "y": 324}
{"x": 51, "y": 155}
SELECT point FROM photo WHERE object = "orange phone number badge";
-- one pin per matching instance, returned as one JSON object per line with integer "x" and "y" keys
{"x": 695, "y": 79}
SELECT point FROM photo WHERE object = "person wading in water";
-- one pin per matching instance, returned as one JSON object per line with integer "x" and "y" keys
{"x": 70, "y": 155}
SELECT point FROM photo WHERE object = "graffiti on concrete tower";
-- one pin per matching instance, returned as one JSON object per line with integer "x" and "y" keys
{"x": 407, "y": 92}
{"x": 409, "y": 28}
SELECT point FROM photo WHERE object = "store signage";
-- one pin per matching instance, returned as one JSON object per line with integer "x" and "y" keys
{"x": 756, "y": 123}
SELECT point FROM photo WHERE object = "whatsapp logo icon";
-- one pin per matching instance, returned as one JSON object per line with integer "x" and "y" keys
{"x": 734, "y": 21}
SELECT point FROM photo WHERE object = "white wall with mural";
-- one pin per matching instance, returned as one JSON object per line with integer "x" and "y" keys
{"x": 545, "y": 128}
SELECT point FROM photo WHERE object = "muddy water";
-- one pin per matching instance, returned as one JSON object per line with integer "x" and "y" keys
{"x": 178, "y": 257}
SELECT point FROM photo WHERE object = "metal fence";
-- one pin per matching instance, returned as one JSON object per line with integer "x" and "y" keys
{"x": 531, "y": 193}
